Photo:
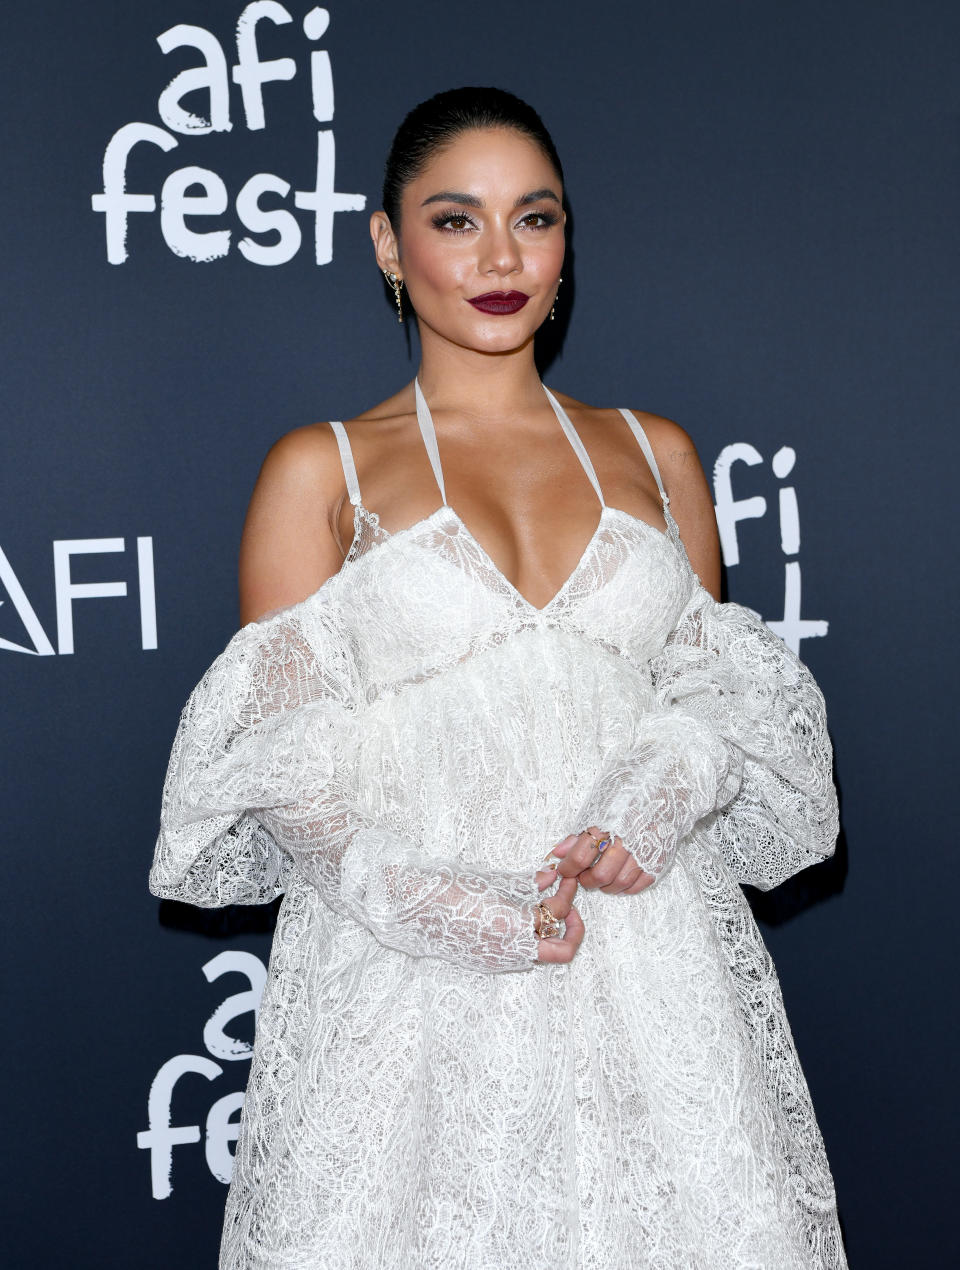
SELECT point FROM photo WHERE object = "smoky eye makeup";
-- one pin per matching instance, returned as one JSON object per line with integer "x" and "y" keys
{"x": 441, "y": 220}
{"x": 547, "y": 217}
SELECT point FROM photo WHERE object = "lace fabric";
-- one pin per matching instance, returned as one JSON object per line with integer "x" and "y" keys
{"x": 395, "y": 755}
{"x": 739, "y": 730}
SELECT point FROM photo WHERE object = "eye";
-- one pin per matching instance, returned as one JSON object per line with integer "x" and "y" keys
{"x": 453, "y": 222}
{"x": 539, "y": 220}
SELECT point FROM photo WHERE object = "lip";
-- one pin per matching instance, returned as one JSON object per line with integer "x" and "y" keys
{"x": 499, "y": 302}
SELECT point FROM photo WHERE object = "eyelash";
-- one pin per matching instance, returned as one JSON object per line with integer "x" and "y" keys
{"x": 549, "y": 219}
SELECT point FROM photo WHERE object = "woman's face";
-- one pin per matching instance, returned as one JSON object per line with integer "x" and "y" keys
{"x": 483, "y": 222}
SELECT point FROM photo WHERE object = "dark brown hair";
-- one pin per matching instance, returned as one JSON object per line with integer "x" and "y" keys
{"x": 436, "y": 122}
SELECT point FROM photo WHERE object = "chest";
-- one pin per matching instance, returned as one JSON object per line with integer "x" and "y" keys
{"x": 426, "y": 599}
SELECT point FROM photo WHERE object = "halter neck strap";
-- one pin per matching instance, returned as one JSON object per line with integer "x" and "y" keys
{"x": 429, "y": 434}
{"x": 573, "y": 437}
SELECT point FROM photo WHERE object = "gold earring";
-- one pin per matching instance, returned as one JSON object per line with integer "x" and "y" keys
{"x": 396, "y": 283}
{"x": 554, "y": 305}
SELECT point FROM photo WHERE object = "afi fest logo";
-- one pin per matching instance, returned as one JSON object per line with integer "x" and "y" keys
{"x": 67, "y": 591}
{"x": 194, "y": 192}
{"x": 220, "y": 1129}
{"x": 793, "y": 628}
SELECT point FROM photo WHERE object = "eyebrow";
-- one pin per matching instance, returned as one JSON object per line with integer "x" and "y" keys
{"x": 471, "y": 200}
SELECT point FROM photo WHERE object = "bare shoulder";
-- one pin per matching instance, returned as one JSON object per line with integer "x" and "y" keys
{"x": 672, "y": 445}
{"x": 674, "y": 450}
{"x": 305, "y": 462}
{"x": 686, "y": 484}
{"x": 293, "y": 533}
{"x": 691, "y": 499}
{"x": 397, "y": 407}
{"x": 289, "y": 548}
{"x": 302, "y": 462}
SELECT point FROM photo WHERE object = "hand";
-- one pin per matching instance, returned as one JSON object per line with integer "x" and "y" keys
{"x": 560, "y": 905}
{"x": 616, "y": 872}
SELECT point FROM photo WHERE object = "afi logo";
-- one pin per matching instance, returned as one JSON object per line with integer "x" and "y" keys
{"x": 68, "y": 591}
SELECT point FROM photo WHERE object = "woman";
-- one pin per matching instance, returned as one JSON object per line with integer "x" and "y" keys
{"x": 479, "y": 625}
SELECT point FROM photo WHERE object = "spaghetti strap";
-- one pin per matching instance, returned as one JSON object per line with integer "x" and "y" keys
{"x": 346, "y": 459}
{"x": 645, "y": 446}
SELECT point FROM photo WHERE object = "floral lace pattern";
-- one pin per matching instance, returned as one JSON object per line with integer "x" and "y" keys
{"x": 396, "y": 754}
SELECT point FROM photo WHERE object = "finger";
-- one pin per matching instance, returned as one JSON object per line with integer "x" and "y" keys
{"x": 563, "y": 950}
{"x": 562, "y": 902}
{"x": 607, "y": 867}
{"x": 641, "y": 884}
{"x": 574, "y": 929}
{"x": 629, "y": 874}
{"x": 559, "y": 850}
{"x": 579, "y": 857}
{"x": 559, "y": 903}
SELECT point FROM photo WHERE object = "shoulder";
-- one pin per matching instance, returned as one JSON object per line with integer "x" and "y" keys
{"x": 673, "y": 447}
{"x": 690, "y": 494}
{"x": 675, "y": 452}
{"x": 289, "y": 547}
{"x": 305, "y": 460}
{"x": 293, "y": 535}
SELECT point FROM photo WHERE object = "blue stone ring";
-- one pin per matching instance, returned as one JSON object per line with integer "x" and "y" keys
{"x": 602, "y": 845}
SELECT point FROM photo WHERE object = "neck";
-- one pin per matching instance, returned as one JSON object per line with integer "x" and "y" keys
{"x": 489, "y": 385}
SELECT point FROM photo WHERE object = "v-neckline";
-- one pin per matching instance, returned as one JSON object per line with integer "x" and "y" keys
{"x": 513, "y": 588}
{"x": 572, "y": 576}
{"x": 445, "y": 508}
{"x": 429, "y": 435}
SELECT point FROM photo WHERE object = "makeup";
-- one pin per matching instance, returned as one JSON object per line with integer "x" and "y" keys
{"x": 500, "y": 302}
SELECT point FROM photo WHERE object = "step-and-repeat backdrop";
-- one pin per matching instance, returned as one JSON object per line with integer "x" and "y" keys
{"x": 763, "y": 246}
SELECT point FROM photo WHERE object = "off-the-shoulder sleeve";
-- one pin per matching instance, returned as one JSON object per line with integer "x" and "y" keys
{"x": 736, "y": 748}
{"x": 263, "y": 778}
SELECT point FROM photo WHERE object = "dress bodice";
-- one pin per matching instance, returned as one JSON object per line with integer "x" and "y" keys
{"x": 429, "y": 596}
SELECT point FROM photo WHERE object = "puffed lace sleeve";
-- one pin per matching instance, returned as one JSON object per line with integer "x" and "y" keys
{"x": 263, "y": 778}
{"x": 736, "y": 748}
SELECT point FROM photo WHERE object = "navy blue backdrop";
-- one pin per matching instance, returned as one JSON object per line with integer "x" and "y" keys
{"x": 764, "y": 205}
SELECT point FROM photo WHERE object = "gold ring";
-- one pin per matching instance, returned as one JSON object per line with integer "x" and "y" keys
{"x": 549, "y": 923}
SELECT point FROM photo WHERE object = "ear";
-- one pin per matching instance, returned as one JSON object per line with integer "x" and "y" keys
{"x": 385, "y": 243}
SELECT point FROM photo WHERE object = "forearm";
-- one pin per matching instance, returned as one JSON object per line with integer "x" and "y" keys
{"x": 413, "y": 902}
{"x": 736, "y": 744}
{"x": 677, "y": 772}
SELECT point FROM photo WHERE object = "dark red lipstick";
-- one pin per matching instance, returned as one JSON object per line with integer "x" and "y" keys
{"x": 500, "y": 301}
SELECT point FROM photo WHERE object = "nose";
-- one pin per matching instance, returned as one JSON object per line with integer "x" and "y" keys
{"x": 499, "y": 251}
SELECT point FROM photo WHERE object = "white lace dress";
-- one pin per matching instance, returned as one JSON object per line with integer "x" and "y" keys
{"x": 396, "y": 754}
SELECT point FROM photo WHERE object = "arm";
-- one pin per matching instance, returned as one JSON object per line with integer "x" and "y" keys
{"x": 737, "y": 747}
{"x": 737, "y": 743}
{"x": 262, "y": 776}
{"x": 265, "y": 756}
